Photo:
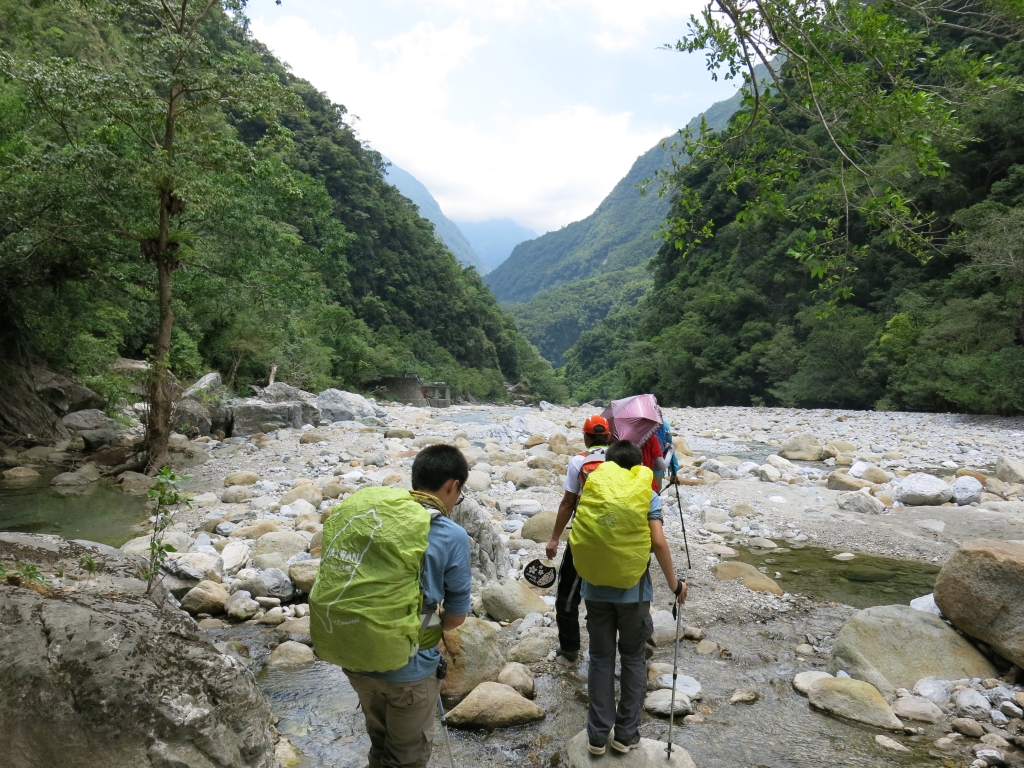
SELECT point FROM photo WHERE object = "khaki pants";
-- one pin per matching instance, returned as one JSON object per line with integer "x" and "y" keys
{"x": 399, "y": 719}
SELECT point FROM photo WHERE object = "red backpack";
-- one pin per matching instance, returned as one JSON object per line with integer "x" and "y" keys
{"x": 590, "y": 463}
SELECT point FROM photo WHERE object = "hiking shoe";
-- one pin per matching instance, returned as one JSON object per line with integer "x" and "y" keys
{"x": 566, "y": 658}
{"x": 596, "y": 749}
{"x": 619, "y": 746}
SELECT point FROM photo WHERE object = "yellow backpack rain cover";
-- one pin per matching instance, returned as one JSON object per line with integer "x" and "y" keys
{"x": 610, "y": 537}
{"x": 365, "y": 604}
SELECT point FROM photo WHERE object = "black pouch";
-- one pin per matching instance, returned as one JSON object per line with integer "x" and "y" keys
{"x": 442, "y": 669}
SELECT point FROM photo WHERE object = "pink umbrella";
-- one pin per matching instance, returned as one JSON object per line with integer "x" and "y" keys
{"x": 634, "y": 418}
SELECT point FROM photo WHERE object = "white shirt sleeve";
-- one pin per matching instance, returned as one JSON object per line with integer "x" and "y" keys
{"x": 572, "y": 474}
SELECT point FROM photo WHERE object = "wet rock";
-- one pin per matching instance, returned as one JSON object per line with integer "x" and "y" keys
{"x": 286, "y": 543}
{"x": 690, "y": 687}
{"x": 69, "y": 479}
{"x": 802, "y": 448}
{"x": 473, "y": 656}
{"x": 892, "y": 745}
{"x": 894, "y": 646}
{"x": 979, "y": 590}
{"x": 518, "y": 676}
{"x": 860, "y": 503}
{"x": 919, "y": 489}
{"x": 240, "y": 606}
{"x": 494, "y": 705}
{"x": 744, "y": 696}
{"x": 241, "y": 478}
{"x": 108, "y": 676}
{"x": 917, "y": 708}
{"x": 306, "y": 492}
{"x": 20, "y": 474}
{"x": 854, "y": 700}
{"x": 969, "y": 703}
{"x": 664, "y": 628}
{"x": 303, "y": 574}
{"x": 752, "y": 578}
{"x": 290, "y": 652}
{"x": 206, "y": 597}
{"x": 338, "y": 405}
{"x": 277, "y": 583}
{"x": 297, "y": 630}
{"x": 531, "y": 649}
{"x": 649, "y": 753}
{"x": 967, "y": 726}
{"x": 804, "y": 680}
{"x": 660, "y": 703}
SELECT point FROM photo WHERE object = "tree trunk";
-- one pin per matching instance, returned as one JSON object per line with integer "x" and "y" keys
{"x": 160, "y": 395}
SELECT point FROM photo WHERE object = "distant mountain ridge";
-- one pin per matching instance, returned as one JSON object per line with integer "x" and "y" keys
{"x": 494, "y": 239}
{"x": 447, "y": 231}
{"x": 620, "y": 234}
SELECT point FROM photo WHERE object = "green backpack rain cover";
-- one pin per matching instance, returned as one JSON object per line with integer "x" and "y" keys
{"x": 610, "y": 537}
{"x": 365, "y": 606}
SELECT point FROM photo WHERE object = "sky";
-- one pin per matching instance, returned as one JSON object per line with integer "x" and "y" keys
{"x": 526, "y": 109}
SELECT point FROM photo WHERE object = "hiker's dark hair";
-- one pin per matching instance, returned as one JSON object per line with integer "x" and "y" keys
{"x": 624, "y": 453}
{"x": 596, "y": 439}
{"x": 435, "y": 465}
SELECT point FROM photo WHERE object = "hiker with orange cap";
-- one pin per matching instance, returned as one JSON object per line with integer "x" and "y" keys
{"x": 596, "y": 434}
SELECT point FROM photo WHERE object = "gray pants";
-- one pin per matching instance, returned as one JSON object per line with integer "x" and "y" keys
{"x": 631, "y": 622}
{"x": 399, "y": 719}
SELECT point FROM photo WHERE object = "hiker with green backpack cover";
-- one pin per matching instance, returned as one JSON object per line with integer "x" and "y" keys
{"x": 394, "y": 575}
{"x": 618, "y": 525}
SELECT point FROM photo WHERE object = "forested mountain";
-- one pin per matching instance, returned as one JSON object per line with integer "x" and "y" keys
{"x": 621, "y": 233}
{"x": 285, "y": 242}
{"x": 741, "y": 321}
{"x": 446, "y": 229}
{"x": 494, "y": 239}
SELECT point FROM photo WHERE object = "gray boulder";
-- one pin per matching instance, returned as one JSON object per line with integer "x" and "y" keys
{"x": 64, "y": 395}
{"x": 473, "y": 657}
{"x": 83, "y": 421}
{"x": 854, "y": 700}
{"x": 207, "y": 385}
{"x": 919, "y": 489}
{"x": 191, "y": 415}
{"x": 123, "y": 684}
{"x": 894, "y": 646}
{"x": 802, "y": 448}
{"x": 511, "y": 600}
{"x": 488, "y": 554}
{"x": 969, "y": 703}
{"x": 1009, "y": 471}
{"x": 337, "y": 405}
{"x": 648, "y": 753}
{"x": 967, "y": 490}
{"x": 860, "y": 503}
{"x": 249, "y": 416}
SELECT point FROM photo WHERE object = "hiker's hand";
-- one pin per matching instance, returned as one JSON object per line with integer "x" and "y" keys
{"x": 680, "y": 591}
{"x": 551, "y": 549}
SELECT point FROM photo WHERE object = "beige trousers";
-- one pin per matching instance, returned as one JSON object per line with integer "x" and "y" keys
{"x": 399, "y": 719}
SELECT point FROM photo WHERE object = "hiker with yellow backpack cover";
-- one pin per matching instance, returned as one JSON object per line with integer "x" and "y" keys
{"x": 394, "y": 574}
{"x": 618, "y": 524}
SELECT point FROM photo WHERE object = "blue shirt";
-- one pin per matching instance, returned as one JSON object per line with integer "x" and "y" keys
{"x": 445, "y": 578}
{"x": 642, "y": 591}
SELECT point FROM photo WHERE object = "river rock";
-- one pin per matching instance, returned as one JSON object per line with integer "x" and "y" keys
{"x": 979, "y": 589}
{"x": 287, "y": 543}
{"x": 20, "y": 474}
{"x": 894, "y": 646}
{"x": 804, "y": 680}
{"x": 180, "y": 540}
{"x": 204, "y": 387}
{"x": 248, "y": 580}
{"x": 802, "y": 448}
{"x": 935, "y": 689}
{"x": 843, "y": 481}
{"x": 241, "y": 478}
{"x": 510, "y": 600}
{"x": 291, "y": 652}
{"x": 660, "y": 703}
{"x": 195, "y": 565}
{"x": 919, "y": 489}
{"x": 256, "y": 530}
{"x": 488, "y": 554}
{"x": 63, "y": 394}
{"x": 206, "y": 597}
{"x": 752, "y": 578}
{"x": 494, "y": 705}
{"x": 517, "y": 676}
{"x": 306, "y": 492}
{"x": 647, "y": 754}
{"x": 540, "y": 527}
{"x": 240, "y": 606}
{"x": 970, "y": 703}
{"x": 303, "y": 574}
{"x": 531, "y": 649}
{"x": 917, "y": 708}
{"x": 189, "y": 415}
{"x": 967, "y": 726}
{"x": 860, "y": 503}
{"x": 690, "y": 687}
{"x": 88, "y": 420}
{"x": 236, "y": 494}
{"x": 338, "y": 405}
{"x": 478, "y": 481}
{"x": 277, "y": 583}
{"x": 1009, "y": 470}
{"x": 966, "y": 490}
{"x": 249, "y": 416}
{"x": 69, "y": 479}
{"x": 891, "y": 744}
{"x": 234, "y": 554}
{"x": 473, "y": 656}
{"x": 664, "y": 628}
{"x": 854, "y": 700}
{"x": 123, "y": 684}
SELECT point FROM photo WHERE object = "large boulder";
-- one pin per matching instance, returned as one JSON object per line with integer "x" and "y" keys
{"x": 1009, "y": 471}
{"x": 473, "y": 657}
{"x": 648, "y": 753}
{"x": 540, "y": 527}
{"x": 488, "y": 554}
{"x": 87, "y": 420}
{"x": 967, "y": 490}
{"x": 518, "y": 676}
{"x": 191, "y": 417}
{"x": 753, "y": 579}
{"x": 919, "y": 489}
{"x": 64, "y": 395}
{"x": 510, "y": 600}
{"x": 802, "y": 448}
{"x": 287, "y": 543}
{"x": 854, "y": 700}
{"x": 894, "y": 646}
{"x": 980, "y": 590}
{"x": 204, "y": 388}
{"x": 494, "y": 705}
{"x": 306, "y": 492}
{"x": 206, "y": 597}
{"x": 250, "y": 416}
{"x": 337, "y": 405}
{"x": 303, "y": 574}
{"x": 94, "y": 683}
{"x": 860, "y": 503}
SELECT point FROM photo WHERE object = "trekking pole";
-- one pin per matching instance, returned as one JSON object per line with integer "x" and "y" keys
{"x": 679, "y": 504}
{"x": 447, "y": 733}
{"x": 675, "y": 674}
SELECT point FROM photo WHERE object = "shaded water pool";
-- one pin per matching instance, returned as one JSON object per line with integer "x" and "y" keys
{"x": 862, "y": 582}
{"x": 97, "y": 512}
